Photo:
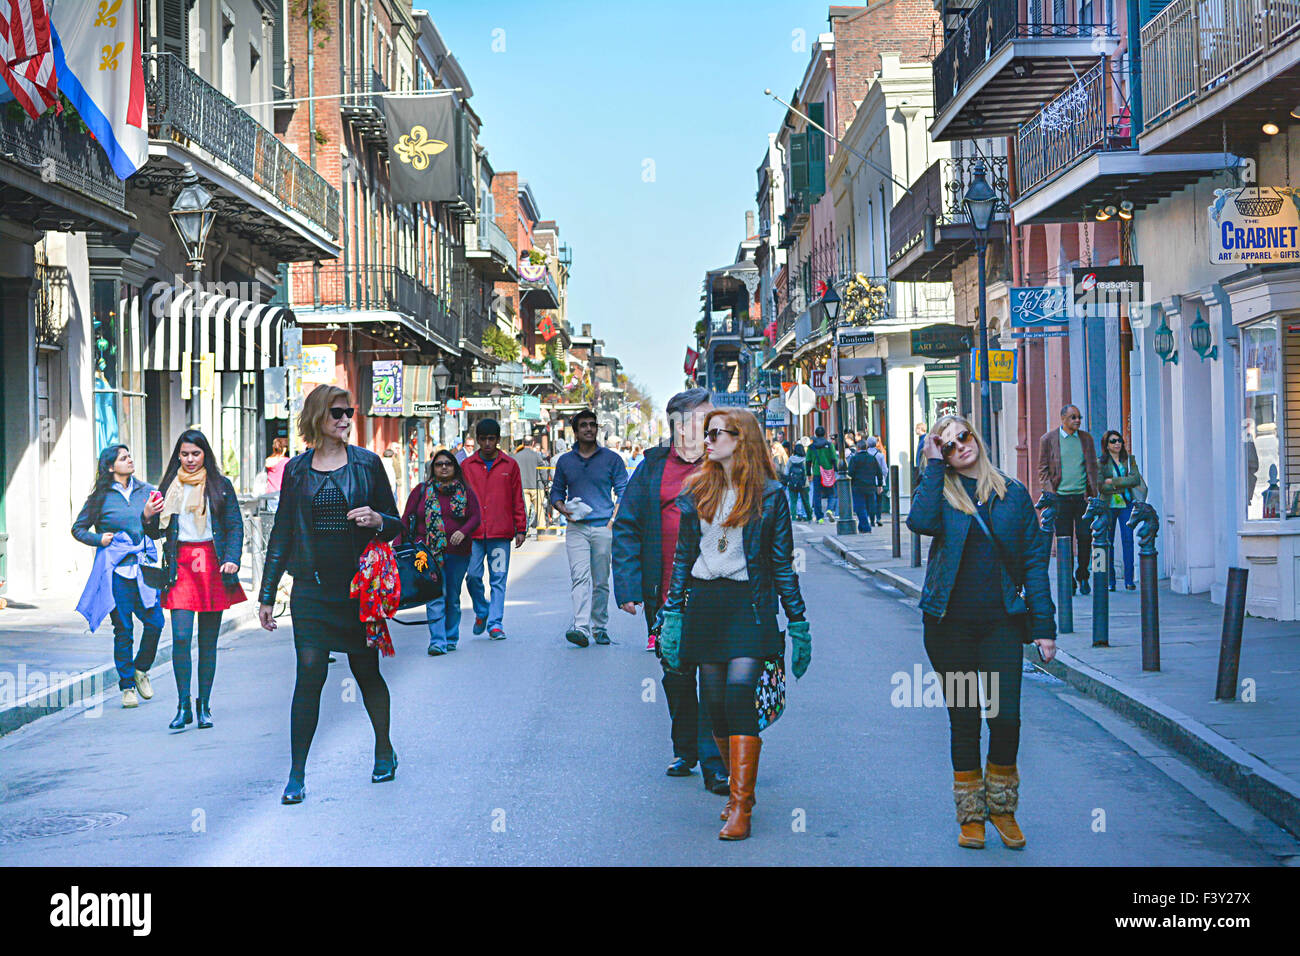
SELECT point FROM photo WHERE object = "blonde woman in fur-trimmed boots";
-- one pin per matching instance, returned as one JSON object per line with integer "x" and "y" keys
{"x": 986, "y": 592}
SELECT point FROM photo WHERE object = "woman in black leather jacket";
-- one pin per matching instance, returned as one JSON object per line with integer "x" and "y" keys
{"x": 734, "y": 557}
{"x": 335, "y": 499}
{"x": 976, "y": 621}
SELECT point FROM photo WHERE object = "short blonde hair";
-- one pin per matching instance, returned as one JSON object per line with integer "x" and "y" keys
{"x": 315, "y": 409}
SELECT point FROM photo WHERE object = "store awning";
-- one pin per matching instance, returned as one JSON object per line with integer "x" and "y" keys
{"x": 242, "y": 336}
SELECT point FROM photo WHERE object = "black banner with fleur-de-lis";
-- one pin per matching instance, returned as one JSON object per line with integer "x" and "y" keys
{"x": 422, "y": 148}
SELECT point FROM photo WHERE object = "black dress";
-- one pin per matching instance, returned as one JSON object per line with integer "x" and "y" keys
{"x": 324, "y": 616}
{"x": 720, "y": 624}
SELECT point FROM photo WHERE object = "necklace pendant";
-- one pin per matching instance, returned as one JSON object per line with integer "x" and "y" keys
{"x": 722, "y": 544}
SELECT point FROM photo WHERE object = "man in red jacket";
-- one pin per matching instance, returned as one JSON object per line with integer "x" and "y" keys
{"x": 495, "y": 480}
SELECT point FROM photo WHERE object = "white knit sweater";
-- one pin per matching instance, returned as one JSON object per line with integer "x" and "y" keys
{"x": 728, "y": 562}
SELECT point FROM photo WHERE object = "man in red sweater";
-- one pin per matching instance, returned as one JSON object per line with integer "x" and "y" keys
{"x": 495, "y": 480}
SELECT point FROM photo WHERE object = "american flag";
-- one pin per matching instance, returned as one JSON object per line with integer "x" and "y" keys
{"x": 27, "y": 54}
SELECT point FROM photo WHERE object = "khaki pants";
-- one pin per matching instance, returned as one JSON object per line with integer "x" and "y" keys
{"x": 589, "y": 548}
{"x": 535, "y": 500}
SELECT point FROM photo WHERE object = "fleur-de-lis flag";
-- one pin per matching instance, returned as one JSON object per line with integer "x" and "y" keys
{"x": 422, "y": 148}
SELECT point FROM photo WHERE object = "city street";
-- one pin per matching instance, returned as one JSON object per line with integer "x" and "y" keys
{"x": 533, "y": 752}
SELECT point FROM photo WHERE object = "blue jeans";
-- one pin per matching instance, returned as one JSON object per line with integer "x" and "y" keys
{"x": 799, "y": 503}
{"x": 1120, "y": 515}
{"x": 823, "y": 495}
{"x": 496, "y": 553}
{"x": 444, "y": 613}
{"x": 862, "y": 508}
{"x": 126, "y": 600}
{"x": 873, "y": 506}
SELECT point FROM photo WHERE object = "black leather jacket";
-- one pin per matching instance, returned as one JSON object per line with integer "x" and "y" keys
{"x": 365, "y": 484}
{"x": 769, "y": 557}
{"x": 1012, "y": 520}
{"x": 227, "y": 534}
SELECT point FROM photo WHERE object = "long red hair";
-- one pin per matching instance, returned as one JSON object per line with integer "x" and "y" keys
{"x": 751, "y": 467}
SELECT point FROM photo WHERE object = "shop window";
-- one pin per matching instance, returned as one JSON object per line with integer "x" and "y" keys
{"x": 1272, "y": 483}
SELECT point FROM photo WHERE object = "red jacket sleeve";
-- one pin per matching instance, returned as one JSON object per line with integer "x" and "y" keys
{"x": 473, "y": 512}
{"x": 517, "y": 498}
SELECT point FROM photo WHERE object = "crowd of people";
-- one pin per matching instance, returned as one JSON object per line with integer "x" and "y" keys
{"x": 694, "y": 534}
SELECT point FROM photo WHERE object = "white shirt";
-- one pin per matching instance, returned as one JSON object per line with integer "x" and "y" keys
{"x": 187, "y": 526}
{"x": 715, "y": 562}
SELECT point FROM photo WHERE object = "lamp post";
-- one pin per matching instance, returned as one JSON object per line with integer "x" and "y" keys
{"x": 192, "y": 216}
{"x": 845, "y": 522}
{"x": 441, "y": 376}
{"x": 980, "y": 202}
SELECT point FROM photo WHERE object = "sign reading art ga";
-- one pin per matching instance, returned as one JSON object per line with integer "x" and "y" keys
{"x": 1255, "y": 225}
{"x": 941, "y": 341}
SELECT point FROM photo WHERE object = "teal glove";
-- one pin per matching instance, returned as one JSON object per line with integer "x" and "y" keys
{"x": 801, "y": 642}
{"x": 670, "y": 638}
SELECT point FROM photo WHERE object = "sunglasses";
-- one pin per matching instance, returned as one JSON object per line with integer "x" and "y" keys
{"x": 1115, "y": 441}
{"x": 712, "y": 433}
{"x": 443, "y": 463}
{"x": 963, "y": 437}
{"x": 338, "y": 413}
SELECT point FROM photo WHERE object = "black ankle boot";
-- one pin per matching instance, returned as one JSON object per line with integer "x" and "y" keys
{"x": 295, "y": 791}
{"x": 385, "y": 768}
{"x": 205, "y": 715}
{"x": 183, "y": 716}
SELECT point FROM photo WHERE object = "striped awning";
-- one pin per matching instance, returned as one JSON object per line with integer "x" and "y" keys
{"x": 242, "y": 336}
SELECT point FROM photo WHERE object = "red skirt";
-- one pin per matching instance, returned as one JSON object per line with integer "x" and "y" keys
{"x": 198, "y": 584}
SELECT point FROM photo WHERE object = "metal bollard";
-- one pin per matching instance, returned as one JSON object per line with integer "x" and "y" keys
{"x": 1146, "y": 524}
{"x": 1234, "y": 613}
{"x": 1047, "y": 505}
{"x": 893, "y": 508}
{"x": 916, "y": 550}
{"x": 1099, "y": 516}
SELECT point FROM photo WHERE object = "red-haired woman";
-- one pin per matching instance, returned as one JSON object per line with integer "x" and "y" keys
{"x": 734, "y": 558}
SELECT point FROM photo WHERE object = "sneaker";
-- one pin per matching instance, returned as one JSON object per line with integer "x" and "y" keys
{"x": 497, "y": 634}
{"x": 601, "y": 637}
{"x": 130, "y": 698}
{"x": 451, "y": 647}
{"x": 480, "y": 625}
{"x": 576, "y": 636}
{"x": 650, "y": 643}
{"x": 142, "y": 684}
{"x": 436, "y": 651}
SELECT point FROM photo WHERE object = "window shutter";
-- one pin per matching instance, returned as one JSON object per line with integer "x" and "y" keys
{"x": 816, "y": 150}
{"x": 798, "y": 163}
{"x": 174, "y": 30}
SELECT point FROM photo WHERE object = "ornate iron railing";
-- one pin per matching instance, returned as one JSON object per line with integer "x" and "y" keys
{"x": 987, "y": 28}
{"x": 384, "y": 288}
{"x": 184, "y": 108}
{"x": 72, "y": 160}
{"x": 1089, "y": 117}
{"x": 939, "y": 192}
{"x": 493, "y": 238}
{"x": 1192, "y": 47}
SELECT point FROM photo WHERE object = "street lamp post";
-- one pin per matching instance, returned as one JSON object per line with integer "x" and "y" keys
{"x": 845, "y": 522}
{"x": 192, "y": 216}
{"x": 980, "y": 202}
{"x": 441, "y": 376}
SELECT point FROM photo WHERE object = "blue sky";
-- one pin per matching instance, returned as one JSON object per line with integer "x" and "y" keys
{"x": 585, "y": 93}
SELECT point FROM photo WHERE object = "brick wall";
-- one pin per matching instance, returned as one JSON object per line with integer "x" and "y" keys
{"x": 863, "y": 33}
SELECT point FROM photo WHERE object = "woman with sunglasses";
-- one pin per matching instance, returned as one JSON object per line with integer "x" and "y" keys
{"x": 334, "y": 500}
{"x": 734, "y": 558}
{"x": 986, "y": 593}
{"x": 442, "y": 513}
{"x": 1122, "y": 482}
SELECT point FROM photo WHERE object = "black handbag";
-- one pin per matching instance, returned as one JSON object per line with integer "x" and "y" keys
{"x": 417, "y": 572}
{"x": 1009, "y": 565}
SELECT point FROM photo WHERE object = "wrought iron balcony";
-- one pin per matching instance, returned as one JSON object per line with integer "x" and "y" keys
{"x": 187, "y": 111}
{"x": 541, "y": 293}
{"x": 995, "y": 69}
{"x": 507, "y": 375}
{"x": 493, "y": 255}
{"x": 338, "y": 287}
{"x": 1082, "y": 120}
{"x": 362, "y": 105}
{"x": 53, "y": 178}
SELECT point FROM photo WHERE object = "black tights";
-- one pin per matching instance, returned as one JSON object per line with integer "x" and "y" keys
{"x": 182, "y": 638}
{"x": 728, "y": 691}
{"x": 313, "y": 668}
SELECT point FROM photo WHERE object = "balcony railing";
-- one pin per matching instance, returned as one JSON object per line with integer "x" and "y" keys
{"x": 509, "y": 374}
{"x": 988, "y": 27}
{"x": 1192, "y": 47}
{"x": 48, "y": 148}
{"x": 1084, "y": 119}
{"x": 380, "y": 288}
{"x": 492, "y": 238}
{"x": 939, "y": 192}
{"x": 547, "y": 283}
{"x": 186, "y": 109}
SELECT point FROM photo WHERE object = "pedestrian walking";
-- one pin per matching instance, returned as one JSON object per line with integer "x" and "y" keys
{"x": 111, "y": 522}
{"x": 638, "y": 456}
{"x": 734, "y": 548}
{"x": 336, "y": 500}
{"x": 528, "y": 459}
{"x": 1122, "y": 481}
{"x": 442, "y": 514}
{"x": 645, "y": 540}
{"x": 918, "y": 456}
{"x": 587, "y": 479}
{"x": 780, "y": 457}
{"x": 866, "y": 480}
{"x": 1067, "y": 466}
{"x": 985, "y": 595}
{"x": 796, "y": 483}
{"x": 275, "y": 463}
{"x": 494, "y": 478}
{"x": 196, "y": 513}
{"x": 821, "y": 465}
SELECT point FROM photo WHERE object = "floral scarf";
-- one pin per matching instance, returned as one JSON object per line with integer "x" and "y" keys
{"x": 435, "y": 531}
{"x": 378, "y": 588}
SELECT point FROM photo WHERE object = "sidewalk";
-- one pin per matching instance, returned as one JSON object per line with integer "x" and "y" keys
{"x": 1251, "y": 748}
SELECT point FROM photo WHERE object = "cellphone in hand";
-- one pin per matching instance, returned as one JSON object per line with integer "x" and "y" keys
{"x": 1039, "y": 647}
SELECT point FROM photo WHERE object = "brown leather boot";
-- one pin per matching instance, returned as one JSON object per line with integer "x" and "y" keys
{"x": 1003, "y": 787}
{"x": 744, "y": 774}
{"x": 723, "y": 746}
{"x": 968, "y": 794}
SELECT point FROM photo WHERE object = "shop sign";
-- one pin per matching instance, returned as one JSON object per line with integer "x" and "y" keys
{"x": 857, "y": 336}
{"x": 730, "y": 400}
{"x": 1002, "y": 366}
{"x": 1037, "y": 312}
{"x": 455, "y": 404}
{"x": 488, "y": 404}
{"x": 386, "y": 388}
{"x": 817, "y": 379}
{"x": 317, "y": 364}
{"x": 941, "y": 341}
{"x": 1102, "y": 289}
{"x": 291, "y": 345}
{"x": 425, "y": 409}
{"x": 1255, "y": 225}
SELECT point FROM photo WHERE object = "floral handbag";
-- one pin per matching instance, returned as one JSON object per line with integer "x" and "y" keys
{"x": 769, "y": 695}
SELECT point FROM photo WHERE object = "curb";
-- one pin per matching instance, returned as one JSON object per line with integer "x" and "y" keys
{"x": 1266, "y": 789}
{"x": 79, "y": 688}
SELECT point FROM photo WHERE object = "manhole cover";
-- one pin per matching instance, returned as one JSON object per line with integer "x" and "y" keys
{"x": 57, "y": 824}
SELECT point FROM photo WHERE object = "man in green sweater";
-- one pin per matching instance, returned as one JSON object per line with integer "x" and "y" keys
{"x": 821, "y": 454}
{"x": 1067, "y": 466}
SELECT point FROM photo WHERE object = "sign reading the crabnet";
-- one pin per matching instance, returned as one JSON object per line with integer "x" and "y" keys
{"x": 1255, "y": 225}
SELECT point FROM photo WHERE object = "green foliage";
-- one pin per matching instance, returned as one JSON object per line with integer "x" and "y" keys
{"x": 503, "y": 346}
{"x": 317, "y": 15}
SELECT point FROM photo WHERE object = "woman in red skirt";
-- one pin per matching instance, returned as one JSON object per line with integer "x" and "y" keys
{"x": 197, "y": 514}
